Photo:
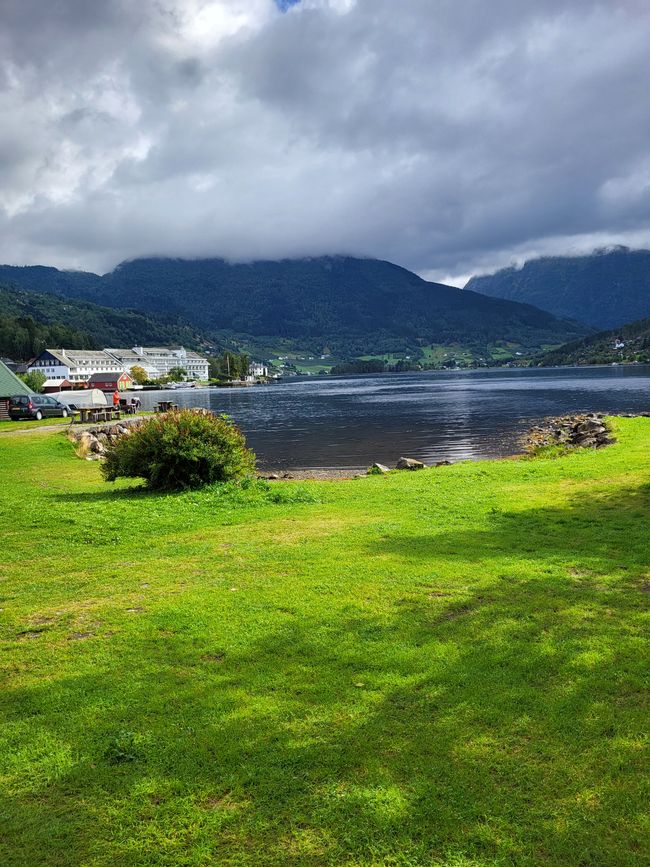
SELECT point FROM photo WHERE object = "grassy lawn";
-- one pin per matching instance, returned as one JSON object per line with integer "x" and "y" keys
{"x": 439, "y": 668}
{"x": 28, "y": 424}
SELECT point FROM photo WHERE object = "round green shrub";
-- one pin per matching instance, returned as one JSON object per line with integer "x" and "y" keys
{"x": 178, "y": 450}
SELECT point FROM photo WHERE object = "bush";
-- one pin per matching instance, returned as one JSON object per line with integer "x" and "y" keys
{"x": 179, "y": 450}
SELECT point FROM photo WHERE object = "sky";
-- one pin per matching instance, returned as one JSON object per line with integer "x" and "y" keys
{"x": 450, "y": 136}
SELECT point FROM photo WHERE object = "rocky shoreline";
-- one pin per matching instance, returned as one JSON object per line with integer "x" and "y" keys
{"x": 580, "y": 430}
{"x": 583, "y": 430}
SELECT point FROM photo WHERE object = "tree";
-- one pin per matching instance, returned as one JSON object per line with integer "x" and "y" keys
{"x": 139, "y": 374}
{"x": 229, "y": 365}
{"x": 177, "y": 374}
{"x": 35, "y": 380}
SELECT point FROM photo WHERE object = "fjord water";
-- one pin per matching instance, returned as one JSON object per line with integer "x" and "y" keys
{"x": 353, "y": 421}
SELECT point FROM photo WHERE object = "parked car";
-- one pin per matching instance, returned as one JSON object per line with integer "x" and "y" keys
{"x": 36, "y": 406}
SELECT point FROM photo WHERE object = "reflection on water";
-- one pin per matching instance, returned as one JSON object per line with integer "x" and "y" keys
{"x": 353, "y": 421}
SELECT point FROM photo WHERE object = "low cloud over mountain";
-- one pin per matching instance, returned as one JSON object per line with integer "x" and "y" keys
{"x": 448, "y": 137}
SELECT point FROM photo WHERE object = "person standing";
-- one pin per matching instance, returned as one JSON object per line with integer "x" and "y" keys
{"x": 116, "y": 399}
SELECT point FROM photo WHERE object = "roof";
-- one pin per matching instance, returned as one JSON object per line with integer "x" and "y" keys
{"x": 10, "y": 384}
{"x": 108, "y": 376}
{"x": 74, "y": 357}
{"x": 125, "y": 354}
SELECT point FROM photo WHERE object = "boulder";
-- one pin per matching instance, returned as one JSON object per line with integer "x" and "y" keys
{"x": 591, "y": 426}
{"x": 378, "y": 470}
{"x": 85, "y": 440}
{"x": 409, "y": 464}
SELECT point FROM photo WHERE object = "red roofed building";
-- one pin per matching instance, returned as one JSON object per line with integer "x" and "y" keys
{"x": 112, "y": 381}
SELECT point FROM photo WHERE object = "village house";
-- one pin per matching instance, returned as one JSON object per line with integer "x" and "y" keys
{"x": 10, "y": 385}
{"x": 51, "y": 386}
{"x": 257, "y": 369}
{"x": 115, "y": 381}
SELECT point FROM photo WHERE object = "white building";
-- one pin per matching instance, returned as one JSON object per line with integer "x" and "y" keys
{"x": 129, "y": 358}
{"x": 78, "y": 365}
{"x": 164, "y": 359}
{"x": 257, "y": 369}
{"x": 75, "y": 365}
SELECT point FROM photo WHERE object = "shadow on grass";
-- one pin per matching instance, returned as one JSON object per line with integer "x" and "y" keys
{"x": 605, "y": 532}
{"x": 504, "y": 728}
{"x": 109, "y": 493}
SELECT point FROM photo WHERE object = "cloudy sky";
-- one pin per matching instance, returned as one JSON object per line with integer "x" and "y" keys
{"x": 450, "y": 136}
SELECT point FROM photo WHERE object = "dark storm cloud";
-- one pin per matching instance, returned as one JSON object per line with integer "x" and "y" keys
{"x": 446, "y": 136}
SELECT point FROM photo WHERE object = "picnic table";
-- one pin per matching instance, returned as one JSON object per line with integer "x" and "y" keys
{"x": 166, "y": 406}
{"x": 129, "y": 408}
{"x": 97, "y": 413}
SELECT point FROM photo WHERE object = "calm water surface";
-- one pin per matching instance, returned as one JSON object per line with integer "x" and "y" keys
{"x": 353, "y": 421}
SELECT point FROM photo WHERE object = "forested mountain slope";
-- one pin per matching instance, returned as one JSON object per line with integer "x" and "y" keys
{"x": 604, "y": 290}
{"x": 353, "y": 306}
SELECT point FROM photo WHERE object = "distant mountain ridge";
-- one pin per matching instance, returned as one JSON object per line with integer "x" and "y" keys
{"x": 353, "y": 306}
{"x": 625, "y": 345}
{"x": 606, "y": 289}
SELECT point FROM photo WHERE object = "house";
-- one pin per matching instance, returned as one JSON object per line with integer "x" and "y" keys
{"x": 116, "y": 380}
{"x": 256, "y": 369}
{"x": 51, "y": 386}
{"x": 9, "y": 386}
{"x": 75, "y": 365}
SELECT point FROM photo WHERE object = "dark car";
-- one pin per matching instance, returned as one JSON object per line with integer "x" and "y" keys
{"x": 36, "y": 406}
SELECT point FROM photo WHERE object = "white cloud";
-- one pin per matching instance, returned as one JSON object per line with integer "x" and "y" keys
{"x": 446, "y": 137}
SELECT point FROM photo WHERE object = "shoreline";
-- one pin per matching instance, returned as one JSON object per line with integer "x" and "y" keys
{"x": 315, "y": 474}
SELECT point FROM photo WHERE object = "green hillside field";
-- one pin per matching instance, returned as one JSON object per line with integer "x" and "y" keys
{"x": 438, "y": 668}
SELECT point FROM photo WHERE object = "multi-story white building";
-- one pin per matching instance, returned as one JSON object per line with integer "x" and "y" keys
{"x": 75, "y": 365}
{"x": 78, "y": 365}
{"x": 128, "y": 358}
{"x": 164, "y": 359}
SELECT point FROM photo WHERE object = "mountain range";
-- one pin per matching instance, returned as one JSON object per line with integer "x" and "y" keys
{"x": 348, "y": 306}
{"x": 604, "y": 290}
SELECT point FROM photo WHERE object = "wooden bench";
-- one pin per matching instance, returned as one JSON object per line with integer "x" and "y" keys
{"x": 93, "y": 414}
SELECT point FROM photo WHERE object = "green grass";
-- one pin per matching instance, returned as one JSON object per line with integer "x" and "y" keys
{"x": 444, "y": 667}
{"x": 303, "y": 363}
{"x": 28, "y": 424}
